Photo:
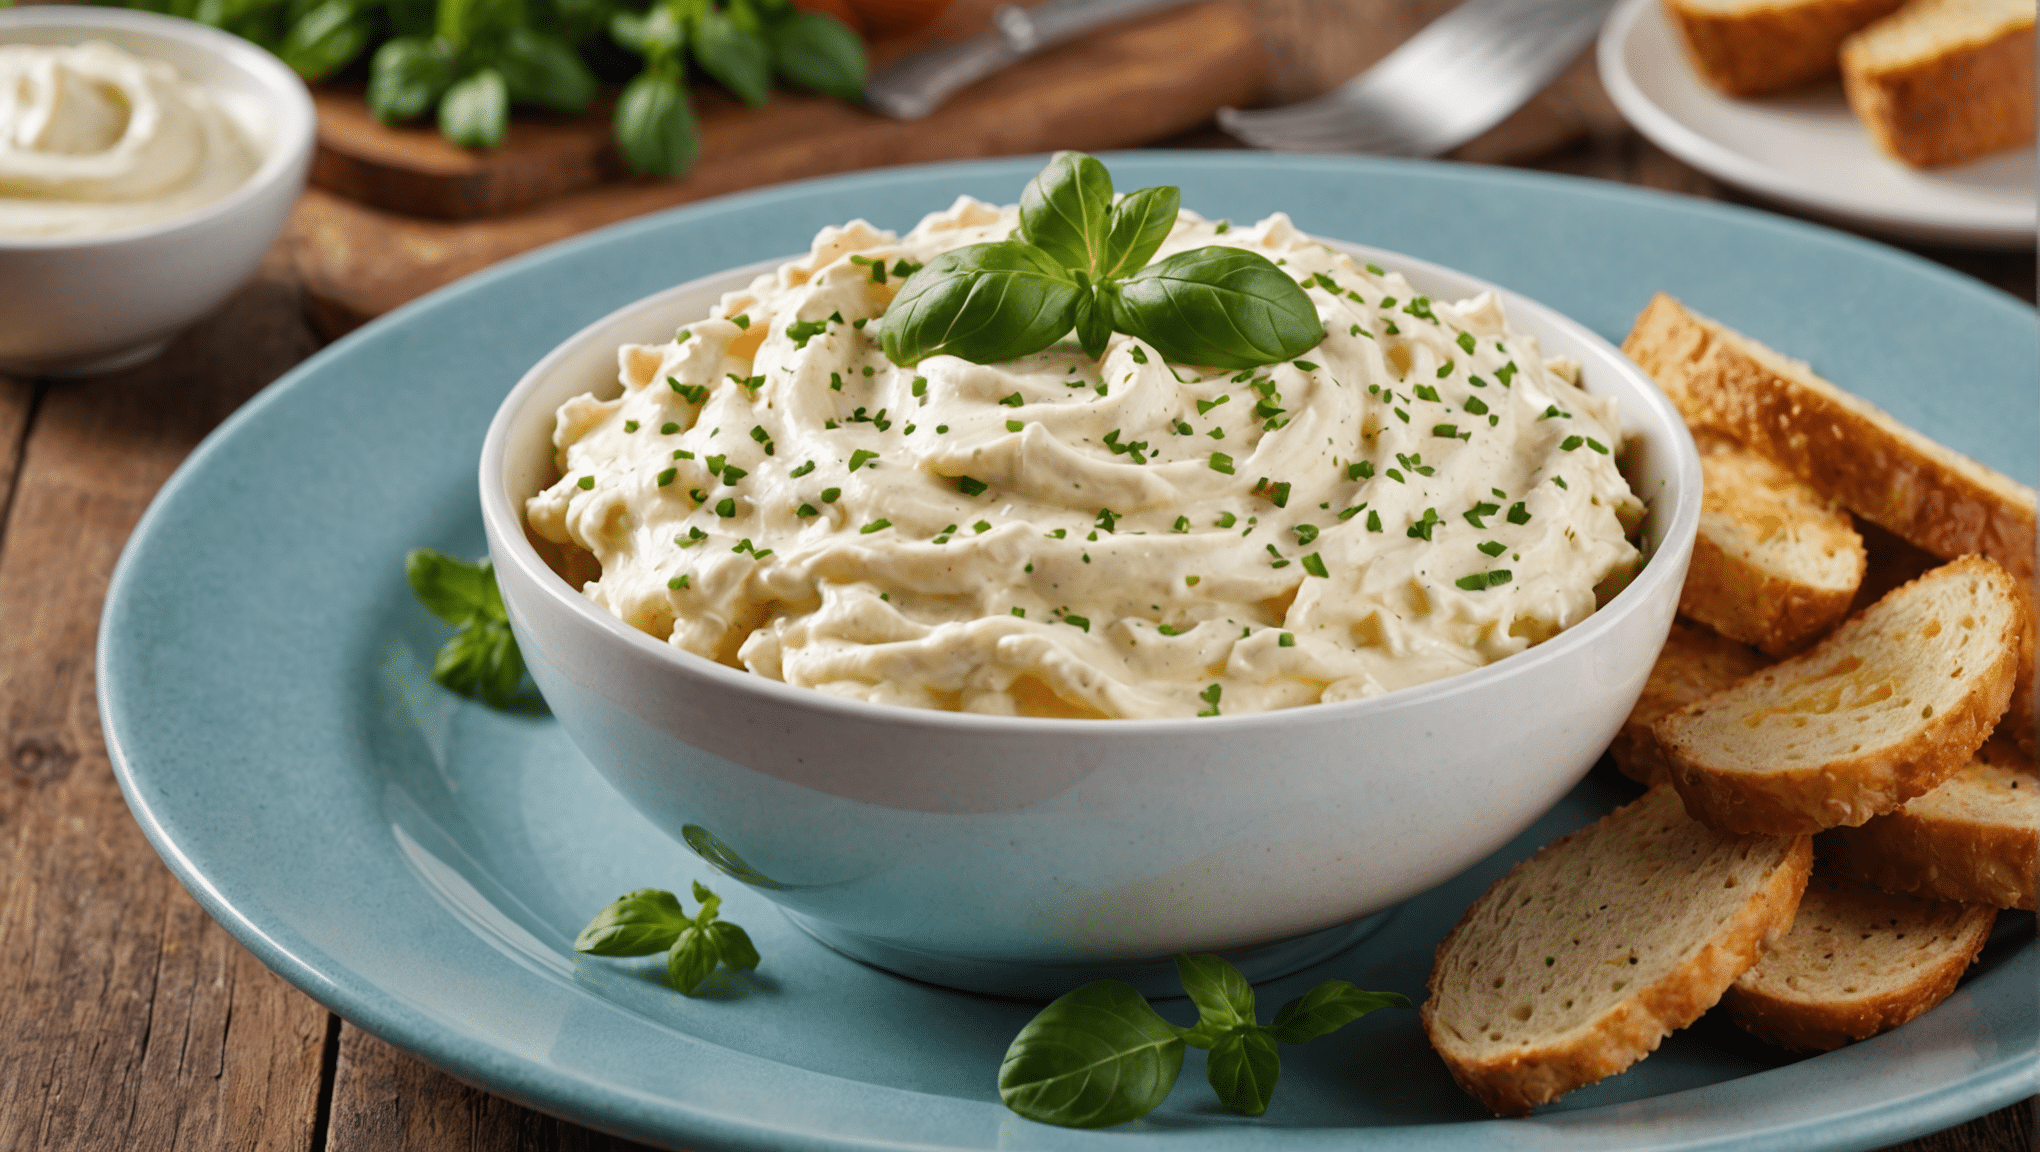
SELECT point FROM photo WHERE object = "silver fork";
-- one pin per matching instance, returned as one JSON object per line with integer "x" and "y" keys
{"x": 1457, "y": 78}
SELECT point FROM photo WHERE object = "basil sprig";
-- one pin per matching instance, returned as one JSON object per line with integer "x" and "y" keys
{"x": 1101, "y": 1055}
{"x": 482, "y": 658}
{"x": 1081, "y": 262}
{"x": 651, "y": 920}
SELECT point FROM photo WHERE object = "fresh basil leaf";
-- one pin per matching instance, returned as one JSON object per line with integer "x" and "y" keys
{"x": 1094, "y": 322}
{"x": 462, "y": 22}
{"x": 1223, "y": 996}
{"x": 1218, "y": 306}
{"x": 734, "y": 944}
{"x": 1065, "y": 211}
{"x": 480, "y": 660}
{"x": 1137, "y": 226}
{"x": 1204, "y": 1034}
{"x": 653, "y": 34}
{"x": 407, "y": 77}
{"x": 544, "y": 71}
{"x": 475, "y": 112}
{"x": 655, "y": 126}
{"x": 325, "y": 40}
{"x": 709, "y": 901}
{"x": 820, "y": 53}
{"x": 636, "y": 924}
{"x": 1243, "y": 1068}
{"x": 693, "y": 956}
{"x": 1327, "y": 1008}
{"x": 984, "y": 303}
{"x": 1097, "y": 1056}
{"x": 740, "y": 59}
{"x": 453, "y": 589}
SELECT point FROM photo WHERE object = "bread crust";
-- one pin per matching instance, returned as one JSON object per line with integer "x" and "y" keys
{"x": 1763, "y": 1003}
{"x": 1694, "y": 664}
{"x": 1944, "y": 852}
{"x": 1843, "y": 446}
{"x": 1513, "y": 1083}
{"x": 1950, "y": 108}
{"x": 1846, "y": 789}
{"x": 1765, "y": 47}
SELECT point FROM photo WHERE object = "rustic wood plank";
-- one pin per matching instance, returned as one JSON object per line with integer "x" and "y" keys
{"x": 17, "y": 402}
{"x": 150, "y": 1027}
{"x": 385, "y": 1100}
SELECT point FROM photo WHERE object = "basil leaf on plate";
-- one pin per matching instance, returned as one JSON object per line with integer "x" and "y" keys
{"x": 453, "y": 589}
{"x": 734, "y": 945}
{"x": 1243, "y": 1068}
{"x": 325, "y": 40}
{"x": 482, "y": 660}
{"x": 740, "y": 59}
{"x": 1223, "y": 996}
{"x": 1327, "y": 1008}
{"x": 820, "y": 53}
{"x": 1065, "y": 211}
{"x": 1218, "y": 306}
{"x": 1097, "y": 1056}
{"x": 475, "y": 112}
{"x": 693, "y": 956}
{"x": 637, "y": 924}
{"x": 655, "y": 126}
{"x": 984, "y": 303}
{"x": 544, "y": 71}
{"x": 406, "y": 77}
{"x": 1137, "y": 226}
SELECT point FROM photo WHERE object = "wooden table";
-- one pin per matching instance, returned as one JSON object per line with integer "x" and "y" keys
{"x": 128, "y": 1019}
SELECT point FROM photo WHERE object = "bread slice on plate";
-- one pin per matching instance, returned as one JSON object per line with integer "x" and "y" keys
{"x": 1748, "y": 47}
{"x": 1842, "y": 445}
{"x": 1578, "y": 962}
{"x": 1884, "y": 709}
{"x": 1775, "y": 563}
{"x": 1695, "y": 664}
{"x": 1857, "y": 962}
{"x": 1975, "y": 839}
{"x": 1942, "y": 82}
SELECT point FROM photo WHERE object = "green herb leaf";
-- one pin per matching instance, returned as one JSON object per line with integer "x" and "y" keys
{"x": 325, "y": 40}
{"x": 481, "y": 660}
{"x": 734, "y": 945}
{"x": 820, "y": 53}
{"x": 1095, "y": 1057}
{"x": 1243, "y": 1068}
{"x": 1327, "y": 1008}
{"x": 453, "y": 589}
{"x": 1218, "y": 306}
{"x": 637, "y": 924}
{"x": 655, "y": 127}
{"x": 1223, "y": 996}
{"x": 544, "y": 71}
{"x": 475, "y": 112}
{"x": 407, "y": 77}
{"x": 1093, "y": 315}
{"x": 1065, "y": 212}
{"x": 1136, "y": 227}
{"x": 984, "y": 303}
{"x": 740, "y": 59}
{"x": 693, "y": 956}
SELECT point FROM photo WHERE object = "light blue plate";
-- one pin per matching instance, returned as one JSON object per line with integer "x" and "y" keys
{"x": 421, "y": 864}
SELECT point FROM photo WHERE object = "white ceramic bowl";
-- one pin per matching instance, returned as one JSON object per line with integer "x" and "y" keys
{"x": 76, "y": 305}
{"x": 1020, "y": 855}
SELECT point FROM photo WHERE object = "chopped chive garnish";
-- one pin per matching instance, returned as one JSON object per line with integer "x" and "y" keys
{"x": 1506, "y": 372}
{"x": 1204, "y": 407}
{"x": 741, "y": 321}
{"x": 1139, "y": 357}
{"x": 1349, "y": 513}
{"x": 1210, "y": 696}
{"x": 861, "y": 457}
{"x": 807, "y": 510}
{"x": 683, "y": 336}
{"x": 1280, "y": 496}
{"x": 1019, "y": 611}
{"x": 1306, "y": 365}
{"x": 1227, "y": 519}
{"x": 1305, "y": 533}
{"x": 731, "y": 474}
{"x": 920, "y": 385}
{"x": 1220, "y": 462}
{"x": 1519, "y": 513}
{"x": 1374, "y": 521}
{"x": 667, "y": 476}
{"x": 1483, "y": 580}
{"x": 875, "y": 526}
{"x": 669, "y": 427}
{"x": 1466, "y": 342}
{"x": 1446, "y": 369}
{"x": 805, "y": 330}
{"x": 1315, "y": 565}
{"x": 1108, "y": 520}
{"x": 1013, "y": 401}
{"x": 1182, "y": 524}
{"x": 1560, "y": 481}
{"x": 971, "y": 487}
{"x": 1426, "y": 392}
{"x": 630, "y": 425}
{"x": 1360, "y": 471}
{"x": 1288, "y": 639}
{"x": 585, "y": 483}
{"x": 1014, "y": 425}
{"x": 1479, "y": 510}
{"x": 829, "y": 495}
{"x": 1224, "y": 226}
{"x": 835, "y": 381}
{"x": 1448, "y": 431}
{"x": 694, "y": 536}
{"x": 726, "y": 507}
{"x": 803, "y": 470}
{"x": 751, "y": 383}
{"x": 1492, "y": 547}
{"x": 1570, "y": 443}
{"x": 1402, "y": 415}
{"x": 679, "y": 582}
{"x": 682, "y": 454}
{"x": 1083, "y": 622}
{"x": 1597, "y": 446}
{"x": 1476, "y": 406}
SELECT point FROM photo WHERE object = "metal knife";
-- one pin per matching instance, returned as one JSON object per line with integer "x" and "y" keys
{"x": 917, "y": 85}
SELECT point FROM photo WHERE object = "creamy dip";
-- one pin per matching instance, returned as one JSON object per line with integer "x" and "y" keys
{"x": 1421, "y": 494}
{"x": 94, "y": 139}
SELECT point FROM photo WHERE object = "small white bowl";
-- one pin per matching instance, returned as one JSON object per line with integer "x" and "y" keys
{"x": 1020, "y": 856}
{"x": 78, "y": 305}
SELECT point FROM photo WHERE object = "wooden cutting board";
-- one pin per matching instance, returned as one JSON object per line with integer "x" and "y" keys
{"x": 1125, "y": 87}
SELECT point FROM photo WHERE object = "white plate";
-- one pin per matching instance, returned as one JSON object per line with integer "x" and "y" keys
{"x": 1804, "y": 147}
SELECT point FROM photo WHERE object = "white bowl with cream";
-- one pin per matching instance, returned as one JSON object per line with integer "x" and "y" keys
{"x": 133, "y": 201}
{"x": 1020, "y": 855}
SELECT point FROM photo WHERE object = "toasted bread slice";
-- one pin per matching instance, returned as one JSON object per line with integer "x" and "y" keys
{"x": 1844, "y": 446}
{"x": 1857, "y": 962}
{"x": 1579, "y": 961}
{"x": 1942, "y": 82}
{"x": 1748, "y": 47}
{"x": 1975, "y": 839}
{"x": 1887, "y": 707}
{"x": 2019, "y": 716}
{"x": 1695, "y": 664}
{"x": 1775, "y": 563}
{"x": 1890, "y": 562}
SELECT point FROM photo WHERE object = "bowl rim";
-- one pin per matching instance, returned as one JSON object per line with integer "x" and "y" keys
{"x": 504, "y": 526}
{"x": 290, "y": 106}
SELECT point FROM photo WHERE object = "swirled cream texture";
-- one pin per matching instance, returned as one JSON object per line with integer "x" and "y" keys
{"x": 94, "y": 139}
{"x": 1421, "y": 494}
